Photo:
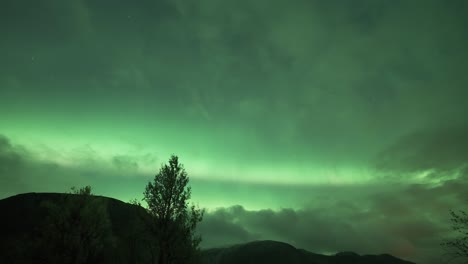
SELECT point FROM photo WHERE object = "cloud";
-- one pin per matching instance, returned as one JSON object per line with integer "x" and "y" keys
{"x": 238, "y": 84}
{"x": 125, "y": 163}
{"x": 409, "y": 222}
{"x": 50, "y": 170}
{"x": 222, "y": 229}
{"x": 296, "y": 73}
{"x": 22, "y": 171}
{"x": 11, "y": 165}
{"x": 439, "y": 152}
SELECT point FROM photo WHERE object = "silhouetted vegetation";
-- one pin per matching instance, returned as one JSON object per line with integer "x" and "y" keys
{"x": 173, "y": 221}
{"x": 75, "y": 231}
{"x": 131, "y": 237}
{"x": 58, "y": 228}
{"x": 36, "y": 223}
{"x": 457, "y": 247}
{"x": 79, "y": 227}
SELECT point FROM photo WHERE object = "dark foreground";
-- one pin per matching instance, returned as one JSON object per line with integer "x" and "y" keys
{"x": 23, "y": 216}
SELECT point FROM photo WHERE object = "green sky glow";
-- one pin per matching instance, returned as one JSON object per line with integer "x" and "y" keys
{"x": 270, "y": 105}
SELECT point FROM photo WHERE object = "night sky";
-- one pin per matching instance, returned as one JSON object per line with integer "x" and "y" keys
{"x": 332, "y": 125}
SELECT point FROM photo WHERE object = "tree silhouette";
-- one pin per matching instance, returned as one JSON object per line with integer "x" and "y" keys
{"x": 457, "y": 247}
{"x": 75, "y": 231}
{"x": 173, "y": 221}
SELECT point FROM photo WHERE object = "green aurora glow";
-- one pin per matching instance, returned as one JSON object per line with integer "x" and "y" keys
{"x": 270, "y": 105}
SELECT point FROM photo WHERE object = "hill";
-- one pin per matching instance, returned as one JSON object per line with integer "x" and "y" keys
{"x": 23, "y": 214}
{"x": 273, "y": 252}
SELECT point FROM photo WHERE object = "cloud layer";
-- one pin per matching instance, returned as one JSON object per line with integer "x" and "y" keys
{"x": 351, "y": 116}
{"x": 408, "y": 222}
{"x": 387, "y": 215}
{"x": 320, "y": 82}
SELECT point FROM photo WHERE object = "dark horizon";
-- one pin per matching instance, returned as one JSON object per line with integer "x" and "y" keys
{"x": 330, "y": 125}
{"x": 26, "y": 209}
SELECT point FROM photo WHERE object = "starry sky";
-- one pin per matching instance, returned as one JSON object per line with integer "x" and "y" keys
{"x": 331, "y": 125}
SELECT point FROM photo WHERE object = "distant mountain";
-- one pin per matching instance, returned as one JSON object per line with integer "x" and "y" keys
{"x": 22, "y": 216}
{"x": 273, "y": 252}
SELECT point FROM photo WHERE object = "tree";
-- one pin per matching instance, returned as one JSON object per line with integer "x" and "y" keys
{"x": 76, "y": 230}
{"x": 173, "y": 220}
{"x": 457, "y": 247}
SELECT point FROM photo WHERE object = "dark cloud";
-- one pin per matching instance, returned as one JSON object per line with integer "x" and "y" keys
{"x": 23, "y": 170}
{"x": 251, "y": 84}
{"x": 316, "y": 68}
{"x": 442, "y": 150}
{"x": 409, "y": 222}
{"x": 11, "y": 166}
{"x": 20, "y": 171}
{"x": 125, "y": 163}
{"x": 223, "y": 229}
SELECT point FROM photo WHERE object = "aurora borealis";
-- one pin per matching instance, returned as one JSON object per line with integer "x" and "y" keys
{"x": 332, "y": 125}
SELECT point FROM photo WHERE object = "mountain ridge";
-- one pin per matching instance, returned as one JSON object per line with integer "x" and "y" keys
{"x": 273, "y": 252}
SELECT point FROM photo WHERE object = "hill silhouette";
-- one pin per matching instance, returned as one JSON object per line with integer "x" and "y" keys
{"x": 23, "y": 213}
{"x": 274, "y": 252}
